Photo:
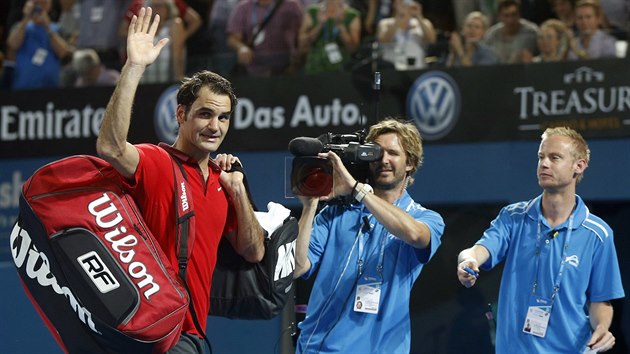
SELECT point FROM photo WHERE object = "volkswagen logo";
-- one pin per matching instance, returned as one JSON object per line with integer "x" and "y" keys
{"x": 164, "y": 115}
{"x": 433, "y": 102}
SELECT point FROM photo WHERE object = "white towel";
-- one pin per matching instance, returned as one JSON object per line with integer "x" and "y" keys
{"x": 274, "y": 218}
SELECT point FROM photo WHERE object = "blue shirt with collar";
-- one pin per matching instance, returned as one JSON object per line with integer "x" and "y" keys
{"x": 591, "y": 274}
{"x": 331, "y": 324}
{"x": 36, "y": 63}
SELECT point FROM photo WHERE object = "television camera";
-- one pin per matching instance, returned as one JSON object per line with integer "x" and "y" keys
{"x": 312, "y": 175}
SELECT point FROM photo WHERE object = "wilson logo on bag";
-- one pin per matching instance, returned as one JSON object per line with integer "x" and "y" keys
{"x": 89, "y": 264}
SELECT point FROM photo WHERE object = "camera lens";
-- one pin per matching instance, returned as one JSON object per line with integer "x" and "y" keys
{"x": 311, "y": 176}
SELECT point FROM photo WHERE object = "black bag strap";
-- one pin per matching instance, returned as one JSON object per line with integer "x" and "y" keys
{"x": 185, "y": 223}
{"x": 183, "y": 203}
{"x": 265, "y": 21}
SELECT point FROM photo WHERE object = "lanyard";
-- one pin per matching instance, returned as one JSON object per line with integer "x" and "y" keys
{"x": 362, "y": 242}
{"x": 565, "y": 248}
{"x": 255, "y": 23}
{"x": 330, "y": 31}
{"x": 402, "y": 37}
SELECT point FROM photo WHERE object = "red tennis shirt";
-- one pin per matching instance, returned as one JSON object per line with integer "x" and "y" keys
{"x": 152, "y": 188}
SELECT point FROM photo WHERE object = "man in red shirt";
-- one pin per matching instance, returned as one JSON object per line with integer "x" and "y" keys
{"x": 205, "y": 103}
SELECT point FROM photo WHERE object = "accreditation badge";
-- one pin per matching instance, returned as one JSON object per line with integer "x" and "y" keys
{"x": 333, "y": 53}
{"x": 368, "y": 295}
{"x": 39, "y": 57}
{"x": 96, "y": 13}
{"x": 538, "y": 314}
{"x": 260, "y": 38}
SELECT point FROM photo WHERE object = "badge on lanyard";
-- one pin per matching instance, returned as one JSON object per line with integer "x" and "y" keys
{"x": 260, "y": 38}
{"x": 368, "y": 295}
{"x": 538, "y": 314}
{"x": 96, "y": 14}
{"x": 39, "y": 57}
{"x": 333, "y": 53}
{"x": 539, "y": 310}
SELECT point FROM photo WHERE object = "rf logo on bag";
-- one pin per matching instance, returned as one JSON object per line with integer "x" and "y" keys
{"x": 434, "y": 101}
{"x": 96, "y": 269}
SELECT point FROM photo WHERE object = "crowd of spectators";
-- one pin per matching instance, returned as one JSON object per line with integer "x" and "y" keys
{"x": 75, "y": 43}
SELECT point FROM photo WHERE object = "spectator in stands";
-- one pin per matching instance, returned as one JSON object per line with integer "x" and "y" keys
{"x": 553, "y": 43}
{"x": 98, "y": 29}
{"x": 461, "y": 9}
{"x": 199, "y": 44}
{"x": 223, "y": 59}
{"x": 377, "y": 10}
{"x": 68, "y": 30}
{"x": 471, "y": 51}
{"x": 590, "y": 42}
{"x": 404, "y": 38}
{"x": 194, "y": 41}
{"x": 565, "y": 12}
{"x": 69, "y": 21}
{"x": 170, "y": 65}
{"x": 263, "y": 33}
{"x": 191, "y": 18}
{"x": 616, "y": 17}
{"x": 512, "y": 34}
{"x": 330, "y": 34}
{"x": 38, "y": 48}
{"x": 90, "y": 71}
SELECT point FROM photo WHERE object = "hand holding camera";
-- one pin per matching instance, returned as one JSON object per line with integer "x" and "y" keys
{"x": 35, "y": 12}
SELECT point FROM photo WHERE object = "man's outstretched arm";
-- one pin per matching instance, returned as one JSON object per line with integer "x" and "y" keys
{"x": 112, "y": 143}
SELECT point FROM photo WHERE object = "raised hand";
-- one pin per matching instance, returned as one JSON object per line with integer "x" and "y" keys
{"x": 140, "y": 36}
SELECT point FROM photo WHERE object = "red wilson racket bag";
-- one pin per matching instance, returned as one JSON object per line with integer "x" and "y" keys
{"x": 90, "y": 266}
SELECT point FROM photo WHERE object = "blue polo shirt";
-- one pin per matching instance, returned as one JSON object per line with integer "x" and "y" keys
{"x": 331, "y": 324}
{"x": 591, "y": 274}
{"x": 36, "y": 63}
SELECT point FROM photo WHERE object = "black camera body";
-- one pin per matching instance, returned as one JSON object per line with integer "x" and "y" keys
{"x": 351, "y": 148}
{"x": 312, "y": 176}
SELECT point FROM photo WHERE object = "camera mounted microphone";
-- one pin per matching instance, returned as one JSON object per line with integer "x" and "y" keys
{"x": 305, "y": 146}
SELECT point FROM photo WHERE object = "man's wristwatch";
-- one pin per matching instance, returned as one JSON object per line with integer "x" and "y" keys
{"x": 361, "y": 193}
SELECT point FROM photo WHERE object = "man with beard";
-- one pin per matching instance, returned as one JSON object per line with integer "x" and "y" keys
{"x": 512, "y": 35}
{"x": 367, "y": 254}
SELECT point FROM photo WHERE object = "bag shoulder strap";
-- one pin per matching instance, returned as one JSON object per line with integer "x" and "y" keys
{"x": 183, "y": 202}
{"x": 185, "y": 221}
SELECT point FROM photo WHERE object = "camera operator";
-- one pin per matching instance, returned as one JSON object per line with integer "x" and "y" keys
{"x": 367, "y": 254}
